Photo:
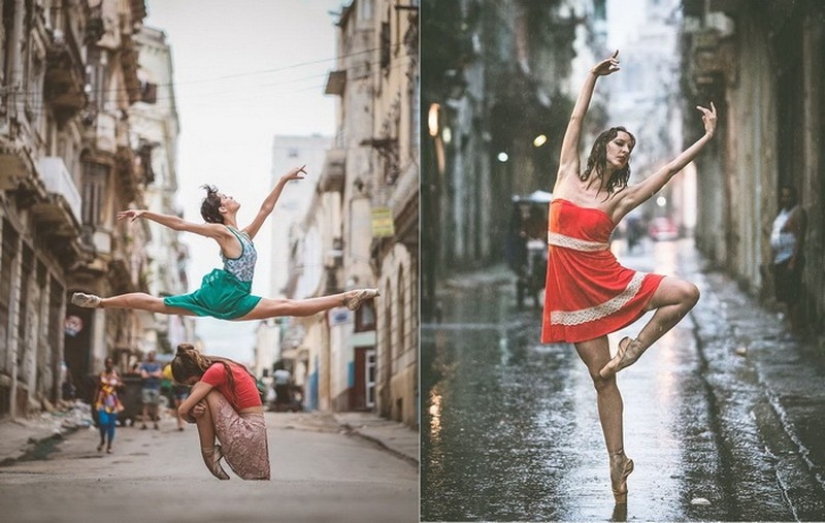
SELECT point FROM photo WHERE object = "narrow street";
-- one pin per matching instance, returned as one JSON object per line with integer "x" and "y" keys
{"x": 510, "y": 429}
{"x": 319, "y": 473}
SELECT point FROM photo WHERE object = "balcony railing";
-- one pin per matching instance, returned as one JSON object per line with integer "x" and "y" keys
{"x": 13, "y": 164}
{"x": 58, "y": 181}
{"x": 62, "y": 205}
{"x": 332, "y": 177}
{"x": 65, "y": 74}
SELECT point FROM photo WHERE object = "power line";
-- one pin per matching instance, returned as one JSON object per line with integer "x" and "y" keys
{"x": 37, "y": 93}
{"x": 399, "y": 62}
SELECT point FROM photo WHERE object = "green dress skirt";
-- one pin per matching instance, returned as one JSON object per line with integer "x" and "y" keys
{"x": 221, "y": 296}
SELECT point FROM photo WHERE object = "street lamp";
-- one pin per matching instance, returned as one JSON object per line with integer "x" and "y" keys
{"x": 432, "y": 120}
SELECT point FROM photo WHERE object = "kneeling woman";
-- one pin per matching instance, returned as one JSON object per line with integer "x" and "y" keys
{"x": 224, "y": 403}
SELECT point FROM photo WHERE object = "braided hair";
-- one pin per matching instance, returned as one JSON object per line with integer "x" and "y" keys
{"x": 598, "y": 160}
{"x": 211, "y": 204}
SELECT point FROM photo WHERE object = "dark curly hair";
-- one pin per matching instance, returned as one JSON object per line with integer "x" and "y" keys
{"x": 598, "y": 160}
{"x": 211, "y": 204}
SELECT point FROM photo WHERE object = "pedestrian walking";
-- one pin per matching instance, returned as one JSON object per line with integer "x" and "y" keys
{"x": 283, "y": 387}
{"x": 151, "y": 373}
{"x": 225, "y": 293}
{"x": 107, "y": 404}
{"x": 225, "y": 403}
{"x": 179, "y": 392}
{"x": 588, "y": 294}
{"x": 787, "y": 244}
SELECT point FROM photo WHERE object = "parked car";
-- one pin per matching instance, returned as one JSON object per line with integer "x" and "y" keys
{"x": 662, "y": 229}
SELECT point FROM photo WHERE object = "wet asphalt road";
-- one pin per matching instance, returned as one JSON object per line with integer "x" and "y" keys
{"x": 510, "y": 430}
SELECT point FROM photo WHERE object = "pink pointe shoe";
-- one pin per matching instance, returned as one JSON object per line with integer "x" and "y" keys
{"x": 88, "y": 301}
{"x": 212, "y": 457}
{"x": 354, "y": 299}
{"x": 620, "y": 468}
{"x": 629, "y": 351}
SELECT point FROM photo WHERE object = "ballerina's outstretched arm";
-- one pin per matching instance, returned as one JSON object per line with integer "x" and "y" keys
{"x": 268, "y": 204}
{"x": 569, "y": 163}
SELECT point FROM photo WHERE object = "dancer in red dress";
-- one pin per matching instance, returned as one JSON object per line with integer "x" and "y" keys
{"x": 590, "y": 295}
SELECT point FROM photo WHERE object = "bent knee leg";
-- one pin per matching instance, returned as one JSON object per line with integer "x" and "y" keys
{"x": 602, "y": 384}
{"x": 689, "y": 294}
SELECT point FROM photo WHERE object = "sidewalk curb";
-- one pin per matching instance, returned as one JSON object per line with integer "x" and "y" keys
{"x": 33, "y": 443}
{"x": 351, "y": 431}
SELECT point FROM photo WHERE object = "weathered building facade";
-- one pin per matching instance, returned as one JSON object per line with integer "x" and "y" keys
{"x": 394, "y": 190}
{"x": 297, "y": 259}
{"x": 154, "y": 138}
{"x": 498, "y": 87}
{"x": 362, "y": 230}
{"x": 41, "y": 95}
{"x": 762, "y": 65}
{"x": 68, "y": 78}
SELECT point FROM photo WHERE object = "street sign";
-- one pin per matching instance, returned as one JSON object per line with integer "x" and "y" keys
{"x": 382, "y": 222}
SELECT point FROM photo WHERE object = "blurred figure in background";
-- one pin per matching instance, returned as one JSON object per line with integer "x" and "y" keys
{"x": 151, "y": 371}
{"x": 179, "y": 392}
{"x": 107, "y": 404}
{"x": 282, "y": 379}
{"x": 787, "y": 243}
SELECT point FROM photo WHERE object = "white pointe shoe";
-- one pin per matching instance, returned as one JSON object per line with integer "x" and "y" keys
{"x": 356, "y": 298}
{"x": 88, "y": 301}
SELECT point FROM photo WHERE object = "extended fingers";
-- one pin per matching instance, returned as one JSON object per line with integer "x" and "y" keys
{"x": 705, "y": 110}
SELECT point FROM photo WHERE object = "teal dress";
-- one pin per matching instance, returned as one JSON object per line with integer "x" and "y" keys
{"x": 224, "y": 293}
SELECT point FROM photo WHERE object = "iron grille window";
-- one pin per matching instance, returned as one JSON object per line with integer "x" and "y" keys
{"x": 56, "y": 297}
{"x": 10, "y": 245}
{"x": 385, "y": 45}
{"x": 26, "y": 275}
{"x": 365, "y": 318}
{"x": 94, "y": 190}
{"x": 402, "y": 310}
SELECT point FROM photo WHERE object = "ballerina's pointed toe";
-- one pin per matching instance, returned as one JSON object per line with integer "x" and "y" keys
{"x": 629, "y": 351}
{"x": 357, "y": 298}
{"x": 211, "y": 458}
{"x": 88, "y": 301}
{"x": 620, "y": 469}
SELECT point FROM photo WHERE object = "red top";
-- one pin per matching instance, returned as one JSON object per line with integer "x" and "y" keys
{"x": 246, "y": 390}
{"x": 588, "y": 294}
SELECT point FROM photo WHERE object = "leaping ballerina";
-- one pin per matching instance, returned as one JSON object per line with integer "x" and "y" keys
{"x": 225, "y": 293}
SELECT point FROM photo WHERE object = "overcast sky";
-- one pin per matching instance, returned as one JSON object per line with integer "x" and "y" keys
{"x": 244, "y": 71}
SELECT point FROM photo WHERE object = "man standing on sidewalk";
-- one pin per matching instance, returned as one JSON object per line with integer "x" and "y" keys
{"x": 787, "y": 243}
{"x": 151, "y": 371}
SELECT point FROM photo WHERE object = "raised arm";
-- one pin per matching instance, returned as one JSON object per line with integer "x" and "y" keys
{"x": 210, "y": 230}
{"x": 569, "y": 163}
{"x": 269, "y": 203}
{"x": 637, "y": 194}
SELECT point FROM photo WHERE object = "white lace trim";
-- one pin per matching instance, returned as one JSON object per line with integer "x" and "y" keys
{"x": 568, "y": 242}
{"x": 601, "y": 310}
